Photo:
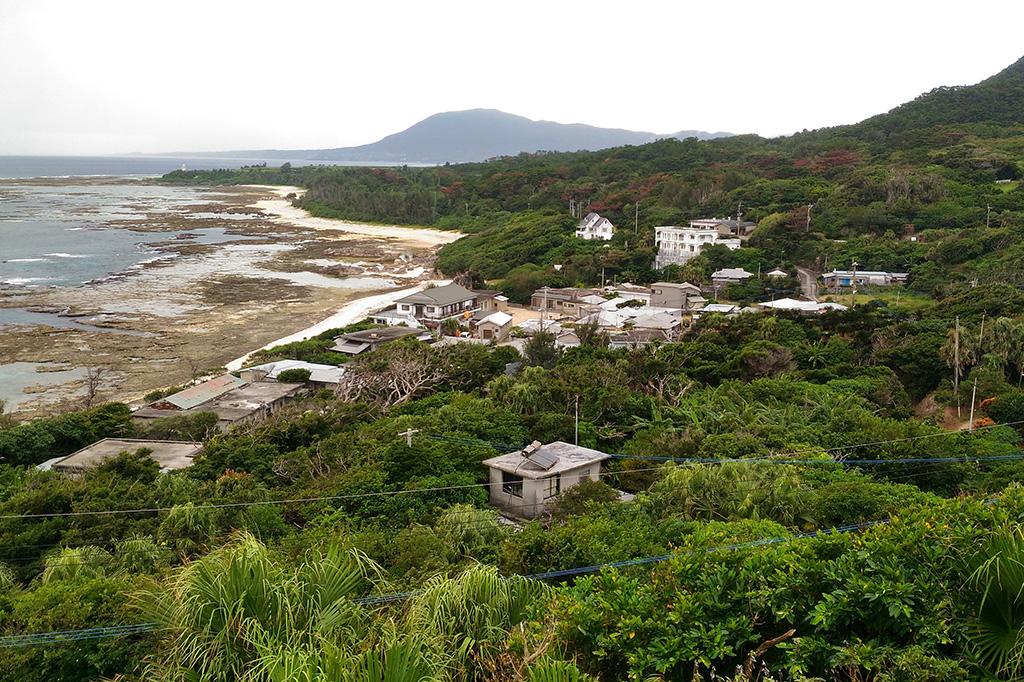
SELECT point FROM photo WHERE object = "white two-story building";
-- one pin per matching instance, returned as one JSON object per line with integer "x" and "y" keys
{"x": 594, "y": 226}
{"x": 677, "y": 245}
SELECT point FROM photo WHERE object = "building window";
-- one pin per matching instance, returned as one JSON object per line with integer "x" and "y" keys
{"x": 554, "y": 486}
{"x": 513, "y": 485}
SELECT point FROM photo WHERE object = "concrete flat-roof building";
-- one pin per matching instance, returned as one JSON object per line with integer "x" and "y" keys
{"x": 730, "y": 276}
{"x": 246, "y": 402}
{"x": 355, "y": 343}
{"x": 169, "y": 454}
{"x": 806, "y": 307}
{"x": 859, "y": 278}
{"x": 319, "y": 375}
{"x": 524, "y": 482}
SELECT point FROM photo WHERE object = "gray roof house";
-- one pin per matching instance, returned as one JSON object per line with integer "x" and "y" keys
{"x": 169, "y": 454}
{"x": 524, "y": 482}
{"x": 730, "y": 276}
{"x": 676, "y": 295}
{"x": 435, "y": 304}
{"x": 243, "y": 401}
{"x": 204, "y": 392}
{"x": 319, "y": 375}
{"x": 370, "y": 339}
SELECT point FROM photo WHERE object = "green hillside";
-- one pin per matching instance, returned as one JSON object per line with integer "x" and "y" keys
{"x": 929, "y": 168}
{"x": 997, "y": 99}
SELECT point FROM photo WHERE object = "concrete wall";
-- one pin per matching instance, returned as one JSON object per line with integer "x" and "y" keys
{"x": 535, "y": 498}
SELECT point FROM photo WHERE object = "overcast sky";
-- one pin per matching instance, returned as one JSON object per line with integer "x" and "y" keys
{"x": 112, "y": 77}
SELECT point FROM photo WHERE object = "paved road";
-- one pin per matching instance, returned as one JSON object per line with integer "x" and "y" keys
{"x": 808, "y": 283}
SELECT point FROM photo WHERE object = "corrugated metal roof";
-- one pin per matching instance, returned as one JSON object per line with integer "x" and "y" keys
{"x": 499, "y": 318}
{"x": 204, "y": 392}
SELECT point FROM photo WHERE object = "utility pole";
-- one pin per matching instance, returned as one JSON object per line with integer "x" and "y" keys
{"x": 636, "y": 218}
{"x": 956, "y": 365}
{"x": 853, "y": 286}
{"x": 408, "y": 435}
{"x": 981, "y": 333}
{"x": 988, "y": 216}
{"x": 808, "y": 218}
{"x": 544, "y": 309}
{"x": 577, "y": 435}
{"x": 974, "y": 393}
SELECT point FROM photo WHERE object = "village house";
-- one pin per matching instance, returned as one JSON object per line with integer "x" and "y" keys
{"x": 678, "y": 245}
{"x": 848, "y": 278}
{"x": 567, "y": 339}
{"x": 806, "y": 307}
{"x": 636, "y": 338}
{"x": 231, "y": 399}
{"x": 617, "y": 313}
{"x": 367, "y": 340}
{"x": 489, "y": 300}
{"x": 594, "y": 226}
{"x": 564, "y": 302}
{"x": 169, "y": 454}
{"x": 680, "y": 296}
{"x": 730, "y": 276}
{"x": 727, "y": 309}
{"x": 320, "y": 376}
{"x": 434, "y": 305}
{"x": 390, "y": 317}
{"x": 725, "y": 226}
{"x": 523, "y": 483}
{"x": 494, "y": 327}
{"x": 631, "y": 292}
{"x": 777, "y": 273}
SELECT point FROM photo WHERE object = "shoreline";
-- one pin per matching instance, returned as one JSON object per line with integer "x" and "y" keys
{"x": 281, "y": 211}
{"x": 280, "y": 277}
{"x": 349, "y": 313}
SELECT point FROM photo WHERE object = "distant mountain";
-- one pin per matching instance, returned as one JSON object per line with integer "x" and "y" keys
{"x": 476, "y": 135}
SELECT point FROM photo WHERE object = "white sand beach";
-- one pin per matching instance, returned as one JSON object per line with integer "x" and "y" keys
{"x": 350, "y": 313}
{"x": 282, "y": 211}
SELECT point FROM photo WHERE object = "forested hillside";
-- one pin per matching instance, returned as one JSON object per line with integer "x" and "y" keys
{"x": 929, "y": 169}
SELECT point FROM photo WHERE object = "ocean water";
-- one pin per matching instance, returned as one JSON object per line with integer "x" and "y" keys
{"x": 67, "y": 166}
{"x": 53, "y": 235}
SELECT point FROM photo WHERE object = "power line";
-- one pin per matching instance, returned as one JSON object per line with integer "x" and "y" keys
{"x": 837, "y": 448}
{"x": 852, "y": 462}
{"x": 777, "y": 458}
{"x": 62, "y": 636}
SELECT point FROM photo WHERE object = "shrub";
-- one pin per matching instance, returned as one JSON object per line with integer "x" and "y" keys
{"x": 294, "y": 376}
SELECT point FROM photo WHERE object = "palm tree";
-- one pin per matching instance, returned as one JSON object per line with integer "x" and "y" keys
{"x": 8, "y": 579}
{"x": 229, "y": 610}
{"x": 77, "y": 562}
{"x": 816, "y": 354}
{"x": 997, "y": 631}
{"x": 474, "y": 613}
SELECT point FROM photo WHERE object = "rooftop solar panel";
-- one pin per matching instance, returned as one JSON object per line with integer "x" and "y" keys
{"x": 541, "y": 459}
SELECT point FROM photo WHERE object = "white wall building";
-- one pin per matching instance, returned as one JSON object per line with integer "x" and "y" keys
{"x": 594, "y": 226}
{"x": 524, "y": 482}
{"x": 677, "y": 245}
